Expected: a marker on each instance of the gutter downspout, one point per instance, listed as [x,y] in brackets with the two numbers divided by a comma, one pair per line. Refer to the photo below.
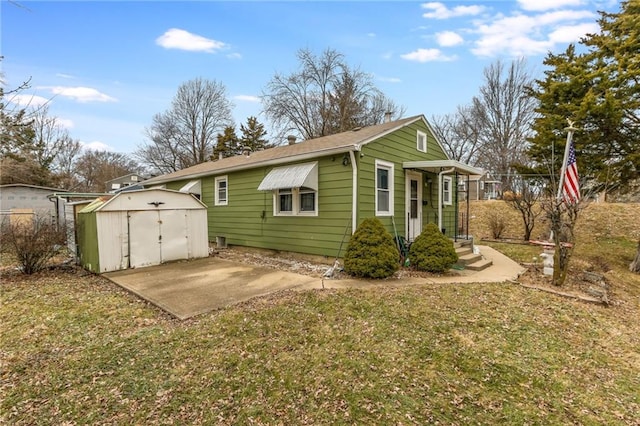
[354,198]
[453,169]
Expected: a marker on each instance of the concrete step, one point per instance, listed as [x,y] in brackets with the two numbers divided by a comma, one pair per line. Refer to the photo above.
[479,265]
[461,251]
[468,259]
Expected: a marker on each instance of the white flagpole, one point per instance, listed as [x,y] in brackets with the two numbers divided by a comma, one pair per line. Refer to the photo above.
[570,131]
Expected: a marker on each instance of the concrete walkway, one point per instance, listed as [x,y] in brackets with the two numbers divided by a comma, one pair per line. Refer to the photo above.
[189,288]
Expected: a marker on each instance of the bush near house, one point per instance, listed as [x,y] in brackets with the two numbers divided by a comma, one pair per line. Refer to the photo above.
[432,251]
[371,252]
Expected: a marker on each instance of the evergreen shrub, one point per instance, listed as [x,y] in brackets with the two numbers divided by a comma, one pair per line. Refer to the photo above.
[371,252]
[432,251]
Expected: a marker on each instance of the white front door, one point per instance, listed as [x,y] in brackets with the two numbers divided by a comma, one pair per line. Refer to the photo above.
[413,204]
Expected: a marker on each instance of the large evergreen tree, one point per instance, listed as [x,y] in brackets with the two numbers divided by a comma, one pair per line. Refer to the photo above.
[599,90]
[253,135]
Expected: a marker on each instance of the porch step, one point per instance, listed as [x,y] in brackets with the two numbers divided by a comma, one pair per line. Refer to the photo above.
[479,265]
[471,261]
[468,259]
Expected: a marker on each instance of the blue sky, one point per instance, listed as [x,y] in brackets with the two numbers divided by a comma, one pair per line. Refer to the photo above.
[105,68]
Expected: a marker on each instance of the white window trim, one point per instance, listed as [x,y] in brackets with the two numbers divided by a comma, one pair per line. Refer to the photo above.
[418,135]
[296,205]
[450,192]
[379,164]
[217,200]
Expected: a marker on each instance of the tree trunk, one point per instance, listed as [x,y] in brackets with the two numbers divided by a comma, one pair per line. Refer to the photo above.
[635,265]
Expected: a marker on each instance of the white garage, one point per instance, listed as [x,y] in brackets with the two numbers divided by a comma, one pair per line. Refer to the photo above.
[141,228]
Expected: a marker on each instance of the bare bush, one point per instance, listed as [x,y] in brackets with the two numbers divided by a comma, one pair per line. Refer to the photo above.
[497,223]
[34,242]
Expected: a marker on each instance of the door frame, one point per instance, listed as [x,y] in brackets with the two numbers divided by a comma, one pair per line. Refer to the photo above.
[413,226]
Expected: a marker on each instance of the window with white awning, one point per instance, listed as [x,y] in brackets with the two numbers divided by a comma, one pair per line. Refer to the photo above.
[295,189]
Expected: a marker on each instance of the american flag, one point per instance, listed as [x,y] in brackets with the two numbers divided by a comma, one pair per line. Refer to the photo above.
[571,186]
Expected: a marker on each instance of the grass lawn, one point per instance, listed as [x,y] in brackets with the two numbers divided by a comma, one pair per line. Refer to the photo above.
[78,350]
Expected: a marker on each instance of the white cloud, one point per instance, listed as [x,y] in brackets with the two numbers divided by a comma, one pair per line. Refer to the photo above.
[449,38]
[522,35]
[371,35]
[247,98]
[438,10]
[65,122]
[234,55]
[81,94]
[540,5]
[28,100]
[572,33]
[427,55]
[95,146]
[66,76]
[176,38]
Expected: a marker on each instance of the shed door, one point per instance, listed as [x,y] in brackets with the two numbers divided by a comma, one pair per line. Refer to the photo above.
[157,236]
[144,238]
[173,235]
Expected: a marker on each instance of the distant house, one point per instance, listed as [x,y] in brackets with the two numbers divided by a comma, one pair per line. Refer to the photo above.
[122,182]
[308,197]
[21,200]
[479,187]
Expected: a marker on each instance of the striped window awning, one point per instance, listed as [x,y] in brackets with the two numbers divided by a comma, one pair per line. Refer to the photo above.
[296,176]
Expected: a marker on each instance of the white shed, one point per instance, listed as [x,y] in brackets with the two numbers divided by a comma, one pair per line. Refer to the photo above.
[141,228]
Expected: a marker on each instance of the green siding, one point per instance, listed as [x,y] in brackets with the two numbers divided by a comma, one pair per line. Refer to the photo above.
[396,148]
[248,219]
[87,227]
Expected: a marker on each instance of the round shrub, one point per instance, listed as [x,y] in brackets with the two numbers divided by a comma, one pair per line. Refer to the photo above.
[371,252]
[432,251]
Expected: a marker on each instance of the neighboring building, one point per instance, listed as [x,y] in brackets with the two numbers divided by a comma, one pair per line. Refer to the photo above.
[123,181]
[305,197]
[479,187]
[21,200]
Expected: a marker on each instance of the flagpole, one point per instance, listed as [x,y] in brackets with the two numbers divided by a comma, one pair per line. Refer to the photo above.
[570,131]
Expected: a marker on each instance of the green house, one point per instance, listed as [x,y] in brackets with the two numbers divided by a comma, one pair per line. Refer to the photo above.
[308,197]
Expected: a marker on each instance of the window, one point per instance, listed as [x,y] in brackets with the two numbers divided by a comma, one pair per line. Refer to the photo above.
[421,144]
[295,202]
[384,188]
[307,200]
[446,190]
[285,201]
[222,191]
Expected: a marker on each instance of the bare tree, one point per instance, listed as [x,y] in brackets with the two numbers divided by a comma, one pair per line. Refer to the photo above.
[95,168]
[325,96]
[459,133]
[504,112]
[523,196]
[50,137]
[185,135]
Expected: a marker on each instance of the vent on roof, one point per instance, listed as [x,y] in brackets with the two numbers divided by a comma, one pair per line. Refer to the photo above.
[356,129]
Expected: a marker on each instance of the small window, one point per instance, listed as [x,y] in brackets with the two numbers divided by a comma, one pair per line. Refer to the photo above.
[446,190]
[285,201]
[421,144]
[307,200]
[296,201]
[222,191]
[384,188]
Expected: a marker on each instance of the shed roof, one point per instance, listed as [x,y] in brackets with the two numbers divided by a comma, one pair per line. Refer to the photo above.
[144,199]
[351,140]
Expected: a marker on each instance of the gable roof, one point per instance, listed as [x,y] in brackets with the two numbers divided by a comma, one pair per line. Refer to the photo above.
[338,143]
